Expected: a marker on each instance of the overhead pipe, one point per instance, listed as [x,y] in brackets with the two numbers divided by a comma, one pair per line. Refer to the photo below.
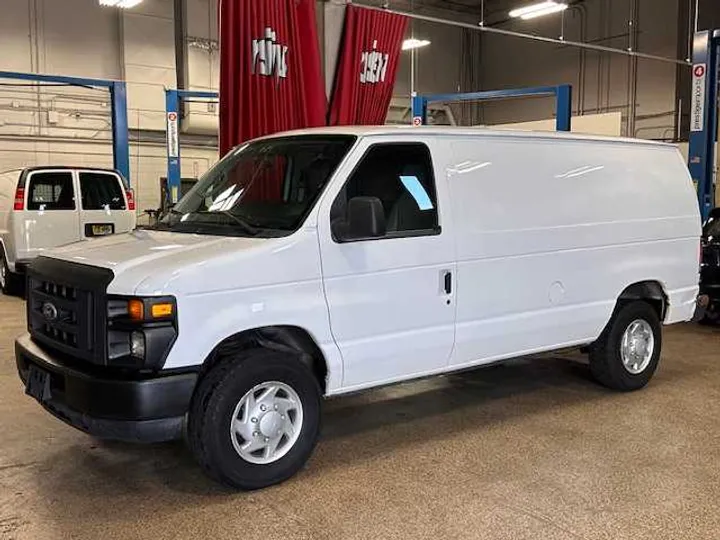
[634,24]
[583,60]
[607,30]
[602,26]
[181,61]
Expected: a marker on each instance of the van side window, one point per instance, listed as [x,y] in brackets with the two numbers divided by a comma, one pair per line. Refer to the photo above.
[100,191]
[401,177]
[51,191]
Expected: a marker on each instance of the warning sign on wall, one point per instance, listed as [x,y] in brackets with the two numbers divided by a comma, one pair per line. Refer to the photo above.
[173,143]
[697,108]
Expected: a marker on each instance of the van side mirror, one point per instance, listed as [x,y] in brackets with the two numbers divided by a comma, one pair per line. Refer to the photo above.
[365,219]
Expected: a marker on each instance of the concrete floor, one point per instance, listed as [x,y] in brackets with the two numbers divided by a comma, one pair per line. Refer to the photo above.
[531,449]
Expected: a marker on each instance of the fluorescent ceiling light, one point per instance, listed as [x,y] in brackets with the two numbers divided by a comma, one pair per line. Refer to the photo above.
[413,43]
[549,11]
[538,10]
[125,4]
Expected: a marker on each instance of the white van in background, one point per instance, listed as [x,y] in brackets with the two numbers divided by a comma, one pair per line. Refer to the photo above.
[40,209]
[322,262]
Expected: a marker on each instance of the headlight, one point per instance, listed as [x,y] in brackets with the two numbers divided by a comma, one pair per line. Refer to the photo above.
[137,344]
[141,330]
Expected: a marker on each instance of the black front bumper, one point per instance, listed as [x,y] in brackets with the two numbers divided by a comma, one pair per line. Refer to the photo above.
[150,409]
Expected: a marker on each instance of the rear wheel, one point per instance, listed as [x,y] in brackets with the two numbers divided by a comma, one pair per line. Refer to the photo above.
[627,353]
[255,419]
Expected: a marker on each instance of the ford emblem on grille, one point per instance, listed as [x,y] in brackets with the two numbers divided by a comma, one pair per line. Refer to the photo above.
[49,311]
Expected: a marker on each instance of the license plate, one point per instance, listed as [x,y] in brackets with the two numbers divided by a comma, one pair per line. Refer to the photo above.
[102,230]
[38,384]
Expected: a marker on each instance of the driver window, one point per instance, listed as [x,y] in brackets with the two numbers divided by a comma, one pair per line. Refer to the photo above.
[401,177]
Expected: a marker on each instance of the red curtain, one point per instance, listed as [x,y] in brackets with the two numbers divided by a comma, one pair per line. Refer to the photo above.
[367,65]
[270,74]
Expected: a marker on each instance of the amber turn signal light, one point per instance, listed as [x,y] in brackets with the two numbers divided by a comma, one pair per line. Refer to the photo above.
[136,310]
[158,311]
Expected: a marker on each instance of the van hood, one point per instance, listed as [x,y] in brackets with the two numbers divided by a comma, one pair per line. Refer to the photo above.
[141,254]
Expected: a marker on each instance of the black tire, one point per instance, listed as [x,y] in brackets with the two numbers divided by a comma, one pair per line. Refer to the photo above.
[9,281]
[606,362]
[710,318]
[213,405]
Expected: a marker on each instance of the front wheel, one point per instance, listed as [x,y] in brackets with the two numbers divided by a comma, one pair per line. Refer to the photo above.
[627,353]
[711,317]
[255,419]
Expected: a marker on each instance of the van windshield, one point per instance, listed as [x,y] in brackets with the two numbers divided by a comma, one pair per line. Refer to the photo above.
[263,188]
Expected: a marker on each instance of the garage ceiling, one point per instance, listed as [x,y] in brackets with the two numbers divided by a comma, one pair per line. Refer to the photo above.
[496,10]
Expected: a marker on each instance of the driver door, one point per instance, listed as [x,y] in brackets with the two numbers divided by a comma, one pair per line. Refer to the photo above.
[391,299]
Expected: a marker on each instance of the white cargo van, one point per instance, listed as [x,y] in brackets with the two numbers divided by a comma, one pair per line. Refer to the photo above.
[47,207]
[327,261]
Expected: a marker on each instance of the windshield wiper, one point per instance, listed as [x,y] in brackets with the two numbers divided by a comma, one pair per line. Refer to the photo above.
[244,225]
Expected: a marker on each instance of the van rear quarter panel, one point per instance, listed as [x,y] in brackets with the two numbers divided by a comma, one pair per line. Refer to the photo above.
[551,231]
[8,185]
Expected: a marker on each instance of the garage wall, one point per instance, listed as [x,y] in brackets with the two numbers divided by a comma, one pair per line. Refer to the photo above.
[602,81]
[51,124]
[70,125]
[463,60]
[67,125]
[437,66]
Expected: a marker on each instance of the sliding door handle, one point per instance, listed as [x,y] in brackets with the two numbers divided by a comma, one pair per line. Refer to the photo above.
[448,282]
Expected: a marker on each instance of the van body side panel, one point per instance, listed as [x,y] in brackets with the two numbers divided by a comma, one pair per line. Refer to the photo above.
[550,232]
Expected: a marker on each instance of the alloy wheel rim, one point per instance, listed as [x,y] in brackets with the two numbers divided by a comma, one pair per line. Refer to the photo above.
[266,422]
[637,346]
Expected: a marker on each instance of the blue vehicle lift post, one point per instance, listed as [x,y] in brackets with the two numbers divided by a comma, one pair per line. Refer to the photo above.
[172,110]
[562,93]
[118,106]
[704,116]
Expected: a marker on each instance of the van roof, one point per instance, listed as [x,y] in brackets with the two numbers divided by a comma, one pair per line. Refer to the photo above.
[67,168]
[479,131]
[57,168]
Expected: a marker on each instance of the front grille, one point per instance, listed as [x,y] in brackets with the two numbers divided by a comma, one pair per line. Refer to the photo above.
[61,314]
[66,308]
